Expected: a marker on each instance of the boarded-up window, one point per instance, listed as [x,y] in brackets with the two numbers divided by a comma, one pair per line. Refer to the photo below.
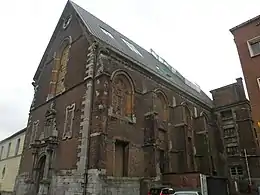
[190,153]
[161,160]
[62,70]
[57,83]
[160,106]
[121,159]
[122,96]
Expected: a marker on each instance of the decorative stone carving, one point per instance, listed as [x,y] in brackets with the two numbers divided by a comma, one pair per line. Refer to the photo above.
[66,22]
[35,88]
[119,96]
[101,62]
[69,117]
[50,128]
[90,61]
[34,131]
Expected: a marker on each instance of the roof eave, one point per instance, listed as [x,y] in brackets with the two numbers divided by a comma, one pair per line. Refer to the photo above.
[206,103]
[14,135]
[244,23]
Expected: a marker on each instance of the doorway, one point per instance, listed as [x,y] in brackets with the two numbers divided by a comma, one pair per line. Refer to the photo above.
[40,172]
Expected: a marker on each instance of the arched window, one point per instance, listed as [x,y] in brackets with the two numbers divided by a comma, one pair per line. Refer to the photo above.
[122,95]
[161,106]
[188,116]
[57,84]
[62,70]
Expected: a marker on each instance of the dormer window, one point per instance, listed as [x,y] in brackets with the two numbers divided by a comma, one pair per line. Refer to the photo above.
[132,47]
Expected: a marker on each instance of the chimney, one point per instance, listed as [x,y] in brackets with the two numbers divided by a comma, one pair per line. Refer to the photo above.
[241,89]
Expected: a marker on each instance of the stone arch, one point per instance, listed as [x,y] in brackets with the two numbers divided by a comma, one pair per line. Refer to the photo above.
[59,71]
[40,170]
[122,94]
[161,104]
[122,72]
[187,113]
[205,115]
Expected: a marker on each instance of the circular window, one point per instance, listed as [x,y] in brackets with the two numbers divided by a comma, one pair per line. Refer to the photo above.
[66,22]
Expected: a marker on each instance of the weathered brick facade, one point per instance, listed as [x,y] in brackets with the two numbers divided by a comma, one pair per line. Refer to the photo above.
[105,122]
[245,35]
[237,131]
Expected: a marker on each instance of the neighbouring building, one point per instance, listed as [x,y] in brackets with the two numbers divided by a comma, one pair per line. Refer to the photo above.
[10,156]
[247,40]
[238,133]
[109,117]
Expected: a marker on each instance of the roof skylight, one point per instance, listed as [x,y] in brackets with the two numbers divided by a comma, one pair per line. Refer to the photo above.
[132,47]
[107,33]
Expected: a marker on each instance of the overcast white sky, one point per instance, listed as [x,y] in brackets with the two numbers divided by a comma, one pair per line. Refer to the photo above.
[192,35]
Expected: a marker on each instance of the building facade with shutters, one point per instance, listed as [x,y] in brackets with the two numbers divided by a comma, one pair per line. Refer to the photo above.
[109,117]
[10,156]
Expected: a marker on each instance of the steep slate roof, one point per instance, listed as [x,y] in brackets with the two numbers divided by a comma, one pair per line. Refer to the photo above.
[145,58]
[244,23]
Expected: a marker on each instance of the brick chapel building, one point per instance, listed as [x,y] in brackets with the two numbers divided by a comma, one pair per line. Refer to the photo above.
[106,114]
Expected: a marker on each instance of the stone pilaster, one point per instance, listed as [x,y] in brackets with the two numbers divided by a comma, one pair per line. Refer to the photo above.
[86,111]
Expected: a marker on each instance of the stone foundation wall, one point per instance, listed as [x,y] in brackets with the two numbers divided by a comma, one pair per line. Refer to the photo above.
[100,184]
[69,184]
[64,182]
[23,185]
[72,183]
[124,185]
[6,193]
